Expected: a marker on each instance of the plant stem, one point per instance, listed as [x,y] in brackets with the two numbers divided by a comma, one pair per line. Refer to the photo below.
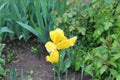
[59,70]
[59,75]
[66,75]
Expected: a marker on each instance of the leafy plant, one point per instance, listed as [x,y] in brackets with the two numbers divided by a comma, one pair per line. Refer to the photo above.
[39,15]
[104,62]
[59,41]
[97,24]
[4,30]
[14,10]
[2,62]
[43,18]
[10,56]
[91,20]
[64,62]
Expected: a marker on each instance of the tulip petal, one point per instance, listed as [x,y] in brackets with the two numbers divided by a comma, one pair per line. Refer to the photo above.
[48,59]
[63,44]
[73,40]
[50,46]
[54,57]
[57,35]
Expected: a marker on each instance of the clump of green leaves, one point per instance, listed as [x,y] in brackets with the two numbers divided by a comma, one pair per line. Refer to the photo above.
[35,16]
[2,62]
[97,24]
[10,56]
[42,18]
[10,12]
[92,21]
[104,61]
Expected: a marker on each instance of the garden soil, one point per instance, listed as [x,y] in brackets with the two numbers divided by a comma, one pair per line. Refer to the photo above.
[33,62]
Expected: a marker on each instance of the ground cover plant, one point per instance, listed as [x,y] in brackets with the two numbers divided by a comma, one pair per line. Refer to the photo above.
[96,23]
[97,26]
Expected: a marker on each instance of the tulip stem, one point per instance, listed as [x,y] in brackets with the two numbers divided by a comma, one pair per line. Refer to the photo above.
[59,75]
[59,70]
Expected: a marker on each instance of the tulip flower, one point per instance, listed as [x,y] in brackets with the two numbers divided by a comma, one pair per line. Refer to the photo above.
[59,41]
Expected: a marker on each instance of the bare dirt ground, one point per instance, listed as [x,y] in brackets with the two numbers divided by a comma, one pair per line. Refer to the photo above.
[34,64]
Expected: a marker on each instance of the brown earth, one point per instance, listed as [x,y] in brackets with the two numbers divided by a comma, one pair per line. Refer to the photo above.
[34,64]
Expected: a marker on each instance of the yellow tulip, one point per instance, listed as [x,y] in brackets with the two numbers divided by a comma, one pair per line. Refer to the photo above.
[54,57]
[66,43]
[72,40]
[50,46]
[63,44]
[59,41]
[57,35]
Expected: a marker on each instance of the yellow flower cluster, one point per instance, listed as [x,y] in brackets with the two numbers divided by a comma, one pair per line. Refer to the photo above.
[59,42]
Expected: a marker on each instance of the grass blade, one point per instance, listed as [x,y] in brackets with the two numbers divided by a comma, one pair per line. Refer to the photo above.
[29,28]
[5,29]
[1,7]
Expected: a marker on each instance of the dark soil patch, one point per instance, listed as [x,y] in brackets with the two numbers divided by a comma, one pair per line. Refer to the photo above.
[34,66]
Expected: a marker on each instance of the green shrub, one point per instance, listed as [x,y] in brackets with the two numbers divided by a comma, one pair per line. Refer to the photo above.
[97,24]
[104,61]
[92,21]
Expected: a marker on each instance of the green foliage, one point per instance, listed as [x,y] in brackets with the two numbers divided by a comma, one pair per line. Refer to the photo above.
[4,30]
[43,18]
[10,56]
[91,21]
[2,61]
[13,75]
[63,64]
[12,11]
[97,24]
[39,14]
[30,29]
[36,50]
[104,62]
